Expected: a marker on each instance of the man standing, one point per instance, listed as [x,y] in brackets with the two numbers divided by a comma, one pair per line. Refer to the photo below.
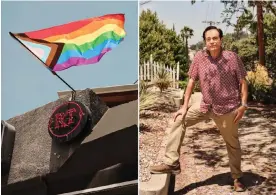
[224,99]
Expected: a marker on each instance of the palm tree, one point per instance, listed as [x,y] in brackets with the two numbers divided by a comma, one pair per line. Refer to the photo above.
[185,34]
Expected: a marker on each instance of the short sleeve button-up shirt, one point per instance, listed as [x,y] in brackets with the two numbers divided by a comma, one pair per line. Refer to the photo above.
[219,80]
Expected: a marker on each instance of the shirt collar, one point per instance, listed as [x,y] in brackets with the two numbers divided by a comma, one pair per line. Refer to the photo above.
[207,53]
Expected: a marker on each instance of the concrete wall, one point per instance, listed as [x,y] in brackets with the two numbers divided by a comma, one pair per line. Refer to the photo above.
[33,144]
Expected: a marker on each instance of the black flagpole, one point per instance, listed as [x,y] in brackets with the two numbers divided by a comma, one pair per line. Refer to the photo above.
[73,92]
[54,73]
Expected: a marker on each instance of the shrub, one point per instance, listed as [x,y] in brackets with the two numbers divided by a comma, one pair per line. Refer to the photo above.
[146,98]
[143,87]
[183,84]
[259,84]
[162,81]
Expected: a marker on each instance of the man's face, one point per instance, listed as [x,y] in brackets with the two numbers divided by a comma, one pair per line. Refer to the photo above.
[212,40]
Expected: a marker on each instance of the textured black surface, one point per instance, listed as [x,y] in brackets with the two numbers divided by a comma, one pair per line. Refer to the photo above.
[7,144]
[82,169]
[33,144]
[60,152]
[64,126]
[94,164]
[106,156]
[34,186]
[97,107]
[32,148]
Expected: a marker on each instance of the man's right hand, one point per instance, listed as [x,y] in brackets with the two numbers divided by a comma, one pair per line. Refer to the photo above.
[182,112]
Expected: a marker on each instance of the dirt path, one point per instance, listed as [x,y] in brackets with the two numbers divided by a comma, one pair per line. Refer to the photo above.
[153,124]
[204,159]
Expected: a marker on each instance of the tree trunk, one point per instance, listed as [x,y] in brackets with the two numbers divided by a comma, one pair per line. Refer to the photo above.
[260,33]
[187,49]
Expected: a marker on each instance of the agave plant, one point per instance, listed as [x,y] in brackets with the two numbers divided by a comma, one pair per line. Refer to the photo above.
[146,98]
[143,87]
[162,81]
[147,101]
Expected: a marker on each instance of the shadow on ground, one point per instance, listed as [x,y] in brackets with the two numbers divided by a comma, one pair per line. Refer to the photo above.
[144,128]
[257,136]
[267,111]
[207,145]
[167,108]
[251,180]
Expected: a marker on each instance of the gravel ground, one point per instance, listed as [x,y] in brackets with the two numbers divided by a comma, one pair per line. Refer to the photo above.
[204,160]
[153,124]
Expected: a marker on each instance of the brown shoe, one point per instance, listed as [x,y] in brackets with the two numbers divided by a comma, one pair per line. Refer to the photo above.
[163,168]
[238,185]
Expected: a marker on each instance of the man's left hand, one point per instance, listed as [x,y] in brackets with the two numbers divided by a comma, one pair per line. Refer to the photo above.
[240,112]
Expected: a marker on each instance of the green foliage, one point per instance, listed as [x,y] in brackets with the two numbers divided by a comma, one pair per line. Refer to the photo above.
[157,40]
[247,50]
[164,44]
[246,20]
[183,84]
[143,87]
[162,81]
[228,40]
[198,46]
[146,99]
[270,43]
[243,7]
[185,34]
[260,86]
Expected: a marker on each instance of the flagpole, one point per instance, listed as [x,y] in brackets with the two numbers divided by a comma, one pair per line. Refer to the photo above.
[54,73]
[73,92]
[63,81]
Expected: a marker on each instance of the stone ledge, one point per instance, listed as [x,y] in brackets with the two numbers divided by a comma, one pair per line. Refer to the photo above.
[157,185]
[178,98]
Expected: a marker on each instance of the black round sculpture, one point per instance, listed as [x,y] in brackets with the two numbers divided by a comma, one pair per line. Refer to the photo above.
[67,121]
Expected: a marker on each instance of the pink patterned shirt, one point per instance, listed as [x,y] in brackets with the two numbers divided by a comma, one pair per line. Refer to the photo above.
[219,80]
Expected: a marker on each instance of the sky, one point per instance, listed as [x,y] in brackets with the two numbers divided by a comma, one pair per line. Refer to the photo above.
[26,84]
[183,13]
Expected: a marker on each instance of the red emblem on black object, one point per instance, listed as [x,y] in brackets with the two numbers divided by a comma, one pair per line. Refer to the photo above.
[67,121]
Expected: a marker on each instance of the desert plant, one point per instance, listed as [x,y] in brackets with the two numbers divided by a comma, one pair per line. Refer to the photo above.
[147,100]
[162,81]
[143,87]
[259,83]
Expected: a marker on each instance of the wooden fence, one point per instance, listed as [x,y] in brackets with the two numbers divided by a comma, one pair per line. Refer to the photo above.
[148,72]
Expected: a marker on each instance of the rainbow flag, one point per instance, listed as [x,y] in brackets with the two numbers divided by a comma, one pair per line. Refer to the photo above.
[77,43]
